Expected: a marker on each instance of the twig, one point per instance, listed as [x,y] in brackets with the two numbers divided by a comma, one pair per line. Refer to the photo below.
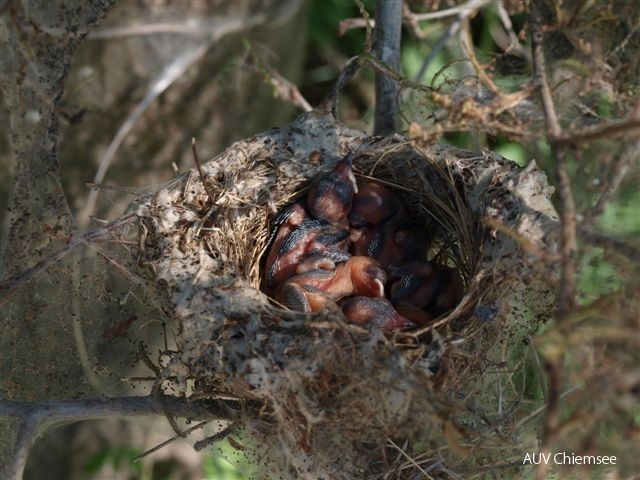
[553,369]
[330,103]
[435,50]
[191,27]
[170,440]
[541,409]
[282,87]
[449,12]
[387,48]
[467,46]
[523,241]
[413,18]
[632,252]
[566,295]
[203,177]
[617,173]
[115,188]
[463,12]
[411,460]
[409,21]
[514,44]
[8,287]
[609,131]
[218,437]
[367,23]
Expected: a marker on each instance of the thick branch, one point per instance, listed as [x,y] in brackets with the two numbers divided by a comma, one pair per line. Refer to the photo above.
[387,47]
[38,416]
[57,411]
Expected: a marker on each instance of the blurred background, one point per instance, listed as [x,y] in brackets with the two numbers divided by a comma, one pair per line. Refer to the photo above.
[153,75]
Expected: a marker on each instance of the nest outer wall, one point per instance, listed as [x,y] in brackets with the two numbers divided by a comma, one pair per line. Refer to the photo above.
[327,386]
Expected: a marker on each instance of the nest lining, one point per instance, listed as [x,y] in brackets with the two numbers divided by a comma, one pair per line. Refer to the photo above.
[331,387]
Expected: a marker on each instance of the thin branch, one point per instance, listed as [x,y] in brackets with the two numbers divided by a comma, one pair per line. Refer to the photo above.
[566,296]
[608,131]
[282,87]
[551,420]
[524,242]
[630,251]
[367,23]
[218,437]
[191,27]
[115,188]
[387,48]
[617,173]
[463,12]
[170,440]
[514,46]
[203,177]
[467,46]
[554,361]
[471,5]
[411,460]
[453,28]
[9,286]
[413,18]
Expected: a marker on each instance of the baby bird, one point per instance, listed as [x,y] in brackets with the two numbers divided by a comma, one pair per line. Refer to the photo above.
[375,311]
[302,298]
[393,241]
[285,223]
[372,204]
[310,290]
[309,237]
[321,259]
[331,194]
[422,290]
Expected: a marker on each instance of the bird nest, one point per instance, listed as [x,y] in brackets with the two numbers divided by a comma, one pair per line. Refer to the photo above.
[325,398]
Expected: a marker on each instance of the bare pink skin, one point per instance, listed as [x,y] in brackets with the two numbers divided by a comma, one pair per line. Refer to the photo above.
[391,242]
[373,204]
[423,290]
[310,237]
[374,311]
[357,276]
[290,219]
[331,194]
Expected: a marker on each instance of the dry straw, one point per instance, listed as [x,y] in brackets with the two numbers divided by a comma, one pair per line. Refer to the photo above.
[319,398]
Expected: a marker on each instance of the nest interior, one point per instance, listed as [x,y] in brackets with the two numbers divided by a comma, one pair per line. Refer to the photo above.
[332,395]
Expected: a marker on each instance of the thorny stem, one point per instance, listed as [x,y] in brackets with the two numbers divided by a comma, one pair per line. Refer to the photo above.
[38,416]
[387,47]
